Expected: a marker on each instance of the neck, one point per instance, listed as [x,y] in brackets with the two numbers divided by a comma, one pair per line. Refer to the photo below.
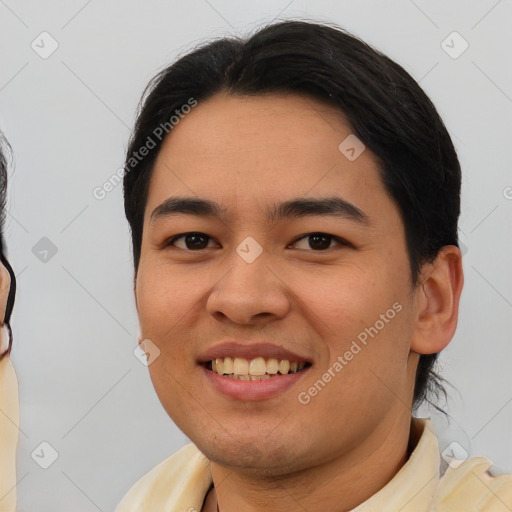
[339,484]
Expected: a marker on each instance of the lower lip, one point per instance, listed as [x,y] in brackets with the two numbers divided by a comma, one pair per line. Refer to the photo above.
[252,390]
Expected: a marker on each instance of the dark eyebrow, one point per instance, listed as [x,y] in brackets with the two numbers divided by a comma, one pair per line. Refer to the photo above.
[304,207]
[187,205]
[294,208]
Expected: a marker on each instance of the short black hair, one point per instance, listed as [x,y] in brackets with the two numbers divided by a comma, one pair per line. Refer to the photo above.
[385,107]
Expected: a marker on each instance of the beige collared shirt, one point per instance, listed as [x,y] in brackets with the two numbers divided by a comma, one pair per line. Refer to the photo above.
[180,483]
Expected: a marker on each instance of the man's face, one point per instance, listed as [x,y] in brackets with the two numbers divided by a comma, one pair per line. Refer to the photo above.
[316,297]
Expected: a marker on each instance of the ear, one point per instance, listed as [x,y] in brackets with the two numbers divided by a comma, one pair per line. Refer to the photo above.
[437,298]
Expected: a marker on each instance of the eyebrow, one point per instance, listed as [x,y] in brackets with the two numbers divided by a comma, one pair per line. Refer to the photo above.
[294,208]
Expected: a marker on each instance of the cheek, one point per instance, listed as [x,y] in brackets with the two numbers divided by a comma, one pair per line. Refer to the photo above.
[362,316]
[346,298]
[163,296]
[168,307]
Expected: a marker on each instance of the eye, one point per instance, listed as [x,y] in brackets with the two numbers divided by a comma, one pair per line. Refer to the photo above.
[196,241]
[320,241]
[193,241]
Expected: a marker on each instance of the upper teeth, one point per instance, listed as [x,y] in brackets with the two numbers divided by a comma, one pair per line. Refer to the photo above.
[257,366]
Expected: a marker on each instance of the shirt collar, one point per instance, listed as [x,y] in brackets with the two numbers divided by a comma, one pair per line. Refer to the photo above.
[414,486]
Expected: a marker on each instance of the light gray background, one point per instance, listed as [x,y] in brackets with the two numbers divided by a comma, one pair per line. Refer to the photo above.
[68,118]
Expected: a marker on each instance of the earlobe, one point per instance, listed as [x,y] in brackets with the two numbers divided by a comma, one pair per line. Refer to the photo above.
[437,305]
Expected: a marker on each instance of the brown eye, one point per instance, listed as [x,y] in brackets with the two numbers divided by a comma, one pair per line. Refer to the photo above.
[193,241]
[319,241]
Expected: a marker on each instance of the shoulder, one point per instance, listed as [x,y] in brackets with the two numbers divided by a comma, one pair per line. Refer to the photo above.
[182,477]
[474,484]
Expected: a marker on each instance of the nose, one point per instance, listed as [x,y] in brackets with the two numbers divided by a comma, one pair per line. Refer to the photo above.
[249,292]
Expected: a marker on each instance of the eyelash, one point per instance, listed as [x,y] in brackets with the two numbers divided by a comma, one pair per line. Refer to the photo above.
[341,241]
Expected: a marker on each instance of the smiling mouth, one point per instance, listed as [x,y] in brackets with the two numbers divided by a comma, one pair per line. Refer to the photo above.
[259,368]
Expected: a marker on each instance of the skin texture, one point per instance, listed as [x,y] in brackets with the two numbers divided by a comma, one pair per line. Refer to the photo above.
[351,438]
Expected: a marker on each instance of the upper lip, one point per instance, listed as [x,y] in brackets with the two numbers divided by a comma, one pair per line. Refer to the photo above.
[250,351]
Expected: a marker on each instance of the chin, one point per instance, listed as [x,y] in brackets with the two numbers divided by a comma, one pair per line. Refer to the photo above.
[253,454]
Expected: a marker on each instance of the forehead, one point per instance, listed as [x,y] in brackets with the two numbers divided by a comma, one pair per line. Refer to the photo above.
[254,151]
[256,125]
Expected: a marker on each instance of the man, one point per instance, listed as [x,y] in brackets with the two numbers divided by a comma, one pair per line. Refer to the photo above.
[293,200]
